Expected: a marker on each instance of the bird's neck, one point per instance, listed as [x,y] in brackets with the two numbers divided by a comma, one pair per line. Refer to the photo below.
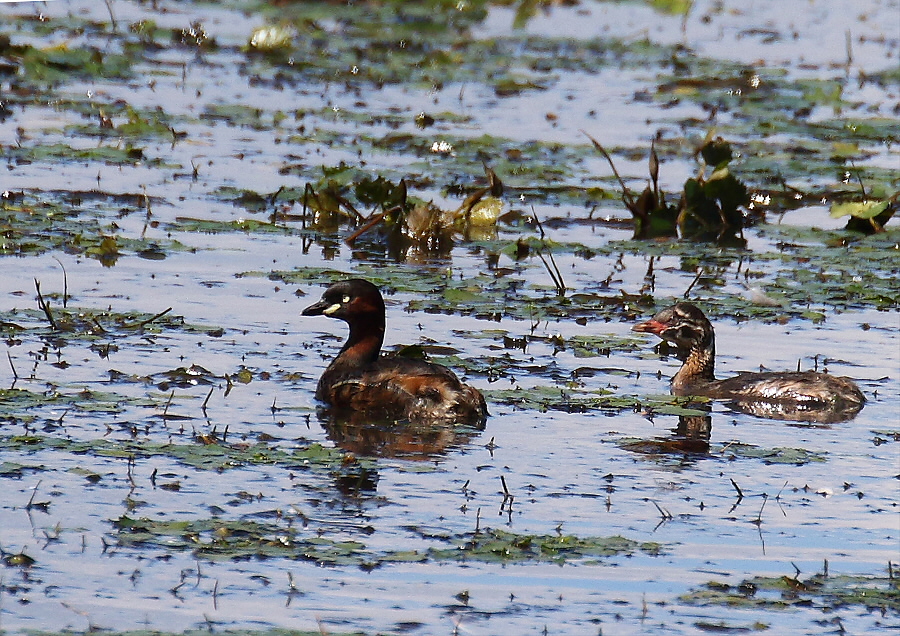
[698,368]
[364,343]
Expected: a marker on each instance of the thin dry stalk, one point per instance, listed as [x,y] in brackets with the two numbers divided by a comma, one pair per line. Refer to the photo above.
[44,306]
[143,323]
[375,220]
[626,193]
[65,283]
[206,401]
[28,506]
[665,514]
[693,282]
[552,267]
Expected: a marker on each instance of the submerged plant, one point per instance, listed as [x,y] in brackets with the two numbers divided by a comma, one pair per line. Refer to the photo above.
[421,224]
[328,204]
[710,207]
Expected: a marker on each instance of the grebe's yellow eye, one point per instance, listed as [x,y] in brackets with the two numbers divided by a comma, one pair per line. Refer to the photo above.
[346,299]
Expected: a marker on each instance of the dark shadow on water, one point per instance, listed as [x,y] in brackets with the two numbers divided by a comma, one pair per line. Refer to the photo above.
[367,437]
[689,439]
[356,483]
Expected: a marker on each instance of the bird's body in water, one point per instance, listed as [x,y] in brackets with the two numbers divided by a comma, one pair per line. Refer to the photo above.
[685,325]
[362,380]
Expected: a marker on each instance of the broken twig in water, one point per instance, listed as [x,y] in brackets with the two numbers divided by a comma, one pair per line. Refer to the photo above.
[506,494]
[206,401]
[168,402]
[506,504]
[43,305]
[375,220]
[738,489]
[9,357]
[142,323]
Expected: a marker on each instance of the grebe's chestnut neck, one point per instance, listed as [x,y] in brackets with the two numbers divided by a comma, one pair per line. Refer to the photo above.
[361,380]
[358,303]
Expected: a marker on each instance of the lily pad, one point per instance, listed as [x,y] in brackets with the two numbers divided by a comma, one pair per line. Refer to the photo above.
[861,210]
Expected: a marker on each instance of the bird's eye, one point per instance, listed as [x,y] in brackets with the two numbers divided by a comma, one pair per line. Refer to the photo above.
[345,299]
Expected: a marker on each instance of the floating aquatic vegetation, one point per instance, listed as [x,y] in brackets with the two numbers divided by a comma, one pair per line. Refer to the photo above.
[824,591]
[555,398]
[214,226]
[407,224]
[256,202]
[425,44]
[482,295]
[778,142]
[60,63]
[222,539]
[499,546]
[239,115]
[206,454]
[16,560]
[61,152]
[711,206]
[18,404]
[122,121]
[194,36]
[77,222]
[242,539]
[422,224]
[76,323]
[843,271]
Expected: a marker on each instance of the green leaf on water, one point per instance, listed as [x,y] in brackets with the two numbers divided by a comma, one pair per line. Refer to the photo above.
[859,210]
[13,469]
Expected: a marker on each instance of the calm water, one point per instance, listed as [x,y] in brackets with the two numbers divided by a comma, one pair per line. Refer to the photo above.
[567,472]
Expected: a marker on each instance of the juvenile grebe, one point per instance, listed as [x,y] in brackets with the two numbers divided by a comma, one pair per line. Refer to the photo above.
[359,379]
[684,325]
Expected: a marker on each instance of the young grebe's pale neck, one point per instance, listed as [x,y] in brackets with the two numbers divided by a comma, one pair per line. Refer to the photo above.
[697,369]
